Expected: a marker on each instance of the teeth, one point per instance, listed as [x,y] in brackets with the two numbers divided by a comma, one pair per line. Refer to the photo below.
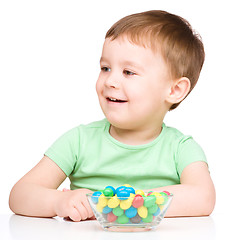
[113,99]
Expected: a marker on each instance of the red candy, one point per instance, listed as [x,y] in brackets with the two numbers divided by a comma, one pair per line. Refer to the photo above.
[138,201]
[111,217]
[168,193]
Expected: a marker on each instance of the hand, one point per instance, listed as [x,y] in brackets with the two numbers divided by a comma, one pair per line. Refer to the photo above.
[74,204]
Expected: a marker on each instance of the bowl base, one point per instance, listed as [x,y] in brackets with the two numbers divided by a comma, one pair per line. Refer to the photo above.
[128,228]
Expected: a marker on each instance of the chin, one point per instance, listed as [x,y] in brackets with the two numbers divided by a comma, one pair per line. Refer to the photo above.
[119,122]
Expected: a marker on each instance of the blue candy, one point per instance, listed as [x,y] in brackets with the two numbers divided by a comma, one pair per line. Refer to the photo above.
[106,210]
[120,188]
[95,197]
[131,212]
[123,194]
[130,189]
[157,212]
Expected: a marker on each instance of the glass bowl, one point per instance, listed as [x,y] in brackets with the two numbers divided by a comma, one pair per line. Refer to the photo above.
[130,214]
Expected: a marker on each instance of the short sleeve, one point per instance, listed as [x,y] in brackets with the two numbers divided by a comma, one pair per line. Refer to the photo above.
[188,151]
[64,151]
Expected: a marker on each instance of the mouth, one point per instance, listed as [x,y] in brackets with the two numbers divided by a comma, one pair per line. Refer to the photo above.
[115,100]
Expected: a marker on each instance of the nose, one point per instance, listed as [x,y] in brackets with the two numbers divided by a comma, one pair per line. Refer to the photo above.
[112,80]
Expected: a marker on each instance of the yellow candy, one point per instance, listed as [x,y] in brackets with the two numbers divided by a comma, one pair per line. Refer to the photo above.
[99,207]
[102,201]
[142,211]
[159,199]
[156,194]
[132,195]
[125,204]
[161,207]
[127,185]
[113,202]
[141,192]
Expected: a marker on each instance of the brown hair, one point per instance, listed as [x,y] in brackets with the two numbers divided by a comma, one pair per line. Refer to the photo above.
[173,36]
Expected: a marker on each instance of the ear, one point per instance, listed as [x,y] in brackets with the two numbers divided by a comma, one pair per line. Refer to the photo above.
[179,90]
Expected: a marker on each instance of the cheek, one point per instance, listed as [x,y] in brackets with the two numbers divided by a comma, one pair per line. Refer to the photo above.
[138,91]
[98,86]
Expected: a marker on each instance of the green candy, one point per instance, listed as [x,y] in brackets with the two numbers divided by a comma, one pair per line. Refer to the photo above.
[148,219]
[153,209]
[149,200]
[108,192]
[165,196]
[118,211]
[123,219]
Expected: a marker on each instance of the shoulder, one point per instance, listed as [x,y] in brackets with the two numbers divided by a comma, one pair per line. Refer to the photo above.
[185,149]
[76,133]
[86,131]
[174,135]
[182,144]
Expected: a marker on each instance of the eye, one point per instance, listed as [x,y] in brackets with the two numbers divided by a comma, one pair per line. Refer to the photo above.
[105,69]
[129,73]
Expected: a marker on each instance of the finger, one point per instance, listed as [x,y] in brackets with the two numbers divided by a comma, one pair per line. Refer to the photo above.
[65,190]
[88,208]
[82,211]
[74,214]
[92,218]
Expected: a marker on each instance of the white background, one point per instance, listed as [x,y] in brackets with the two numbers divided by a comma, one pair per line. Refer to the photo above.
[49,63]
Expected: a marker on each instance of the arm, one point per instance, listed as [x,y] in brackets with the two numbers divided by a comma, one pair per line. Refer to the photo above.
[36,194]
[195,196]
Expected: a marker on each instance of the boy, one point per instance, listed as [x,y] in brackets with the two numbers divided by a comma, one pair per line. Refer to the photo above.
[150,62]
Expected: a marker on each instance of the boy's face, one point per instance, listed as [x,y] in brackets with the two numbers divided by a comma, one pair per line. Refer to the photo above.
[132,85]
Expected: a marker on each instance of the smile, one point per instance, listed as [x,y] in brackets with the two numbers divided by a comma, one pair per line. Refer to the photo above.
[115,100]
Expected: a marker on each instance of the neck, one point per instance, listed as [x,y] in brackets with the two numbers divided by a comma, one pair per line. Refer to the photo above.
[135,136]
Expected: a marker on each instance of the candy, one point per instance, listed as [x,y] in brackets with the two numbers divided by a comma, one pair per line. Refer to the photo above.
[111,217]
[120,189]
[106,210]
[138,201]
[95,197]
[130,189]
[113,189]
[135,219]
[168,193]
[108,192]
[102,200]
[123,194]
[113,202]
[142,211]
[157,212]
[131,212]
[165,196]
[123,219]
[99,208]
[127,205]
[118,211]
[127,185]
[148,218]
[149,200]
[140,192]
[153,209]
[155,194]
[159,199]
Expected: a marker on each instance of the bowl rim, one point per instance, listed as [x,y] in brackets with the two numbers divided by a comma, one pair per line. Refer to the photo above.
[90,194]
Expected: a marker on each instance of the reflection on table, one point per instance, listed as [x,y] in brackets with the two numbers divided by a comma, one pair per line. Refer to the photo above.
[56,228]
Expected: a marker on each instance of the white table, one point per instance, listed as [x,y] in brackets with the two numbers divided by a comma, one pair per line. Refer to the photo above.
[202,228]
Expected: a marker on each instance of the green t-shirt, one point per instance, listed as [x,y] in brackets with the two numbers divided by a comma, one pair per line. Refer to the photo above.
[93,159]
